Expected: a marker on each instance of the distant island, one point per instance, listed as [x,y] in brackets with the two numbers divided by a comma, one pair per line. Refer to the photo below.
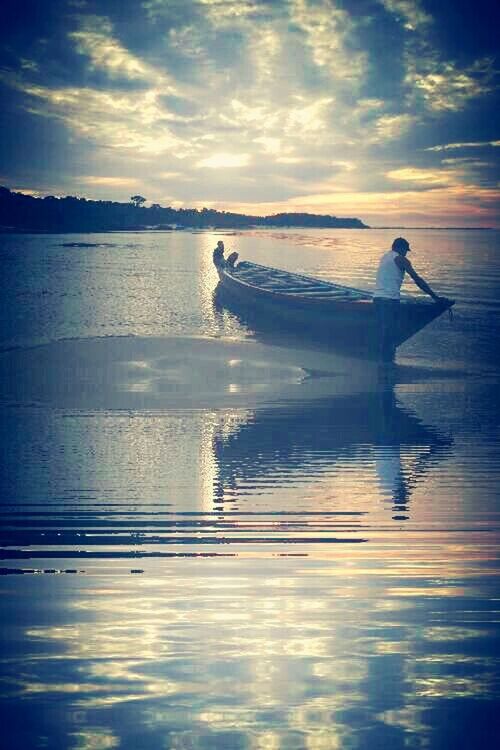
[24,213]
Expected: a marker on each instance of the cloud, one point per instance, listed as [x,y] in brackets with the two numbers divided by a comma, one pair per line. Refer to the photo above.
[224,161]
[410,12]
[29,65]
[465,144]
[450,205]
[274,146]
[291,102]
[218,108]
[95,40]
[329,33]
[221,11]
[143,121]
[433,79]
[467,161]
[103,181]
[389,127]
[422,176]
[105,53]
[29,191]
[180,105]
[126,122]
[445,87]
[307,117]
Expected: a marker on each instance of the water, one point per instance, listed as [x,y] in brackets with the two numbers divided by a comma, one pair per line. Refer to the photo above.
[211,539]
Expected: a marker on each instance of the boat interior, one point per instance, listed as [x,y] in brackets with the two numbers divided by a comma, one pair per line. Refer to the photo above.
[285,282]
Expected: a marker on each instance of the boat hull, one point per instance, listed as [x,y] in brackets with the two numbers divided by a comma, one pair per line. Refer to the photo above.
[347,324]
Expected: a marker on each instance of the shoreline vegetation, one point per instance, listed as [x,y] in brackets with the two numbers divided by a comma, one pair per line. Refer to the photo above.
[20,213]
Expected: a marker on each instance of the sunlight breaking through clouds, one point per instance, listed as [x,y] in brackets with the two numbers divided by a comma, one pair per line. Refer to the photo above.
[287,92]
[124,121]
[109,181]
[429,176]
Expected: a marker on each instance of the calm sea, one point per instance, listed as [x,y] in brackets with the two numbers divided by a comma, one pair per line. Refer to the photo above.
[213,538]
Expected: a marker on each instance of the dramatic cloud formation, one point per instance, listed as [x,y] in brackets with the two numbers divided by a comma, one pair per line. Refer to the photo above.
[348,107]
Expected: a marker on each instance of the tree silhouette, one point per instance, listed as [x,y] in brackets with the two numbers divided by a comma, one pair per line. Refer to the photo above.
[137,200]
[24,213]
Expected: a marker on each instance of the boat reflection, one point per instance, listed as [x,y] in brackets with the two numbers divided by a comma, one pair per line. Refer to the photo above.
[334,438]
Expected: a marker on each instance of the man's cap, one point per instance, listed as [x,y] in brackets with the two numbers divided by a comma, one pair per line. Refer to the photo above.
[400,245]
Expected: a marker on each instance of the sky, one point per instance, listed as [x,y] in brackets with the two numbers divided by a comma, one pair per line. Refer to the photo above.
[384,110]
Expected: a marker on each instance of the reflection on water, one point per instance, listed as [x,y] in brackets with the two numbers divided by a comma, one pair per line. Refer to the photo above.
[347,652]
[238,570]
[311,440]
[233,481]
[279,636]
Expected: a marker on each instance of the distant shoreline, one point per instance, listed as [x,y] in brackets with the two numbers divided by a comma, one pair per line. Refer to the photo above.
[159,230]
[6,230]
[25,213]
[445,229]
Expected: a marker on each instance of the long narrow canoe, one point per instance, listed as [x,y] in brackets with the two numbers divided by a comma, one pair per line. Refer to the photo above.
[343,315]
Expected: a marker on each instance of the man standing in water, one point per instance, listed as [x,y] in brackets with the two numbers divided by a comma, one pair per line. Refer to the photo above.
[390,274]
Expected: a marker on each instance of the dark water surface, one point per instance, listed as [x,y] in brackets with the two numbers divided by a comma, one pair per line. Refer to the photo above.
[216,539]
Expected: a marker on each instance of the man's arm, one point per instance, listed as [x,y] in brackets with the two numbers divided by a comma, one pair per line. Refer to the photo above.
[405,265]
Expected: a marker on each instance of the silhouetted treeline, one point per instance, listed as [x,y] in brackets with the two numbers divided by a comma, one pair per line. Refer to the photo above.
[24,213]
[311,220]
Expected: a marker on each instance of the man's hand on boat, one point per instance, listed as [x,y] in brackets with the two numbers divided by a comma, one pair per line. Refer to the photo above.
[402,247]
[444,301]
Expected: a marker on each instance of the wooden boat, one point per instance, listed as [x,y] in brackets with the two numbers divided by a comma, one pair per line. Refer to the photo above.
[342,315]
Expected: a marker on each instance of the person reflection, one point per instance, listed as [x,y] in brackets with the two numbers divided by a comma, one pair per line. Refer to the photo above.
[275,448]
[388,464]
[399,466]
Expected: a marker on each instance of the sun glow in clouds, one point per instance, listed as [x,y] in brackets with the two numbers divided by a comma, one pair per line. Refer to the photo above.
[223,161]
[243,102]
[411,174]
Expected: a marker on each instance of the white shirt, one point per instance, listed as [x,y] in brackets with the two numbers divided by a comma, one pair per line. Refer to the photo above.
[389,277]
